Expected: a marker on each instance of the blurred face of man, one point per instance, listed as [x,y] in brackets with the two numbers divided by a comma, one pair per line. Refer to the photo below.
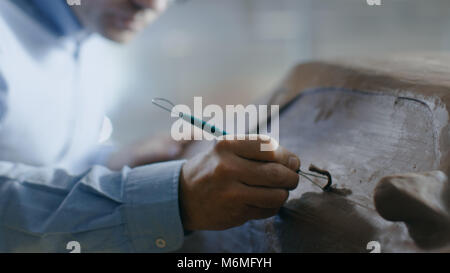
[118,20]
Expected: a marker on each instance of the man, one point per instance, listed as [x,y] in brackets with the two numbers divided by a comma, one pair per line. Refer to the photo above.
[53,189]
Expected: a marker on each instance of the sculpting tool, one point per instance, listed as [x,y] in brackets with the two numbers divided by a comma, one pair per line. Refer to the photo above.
[168,106]
[323,175]
[205,126]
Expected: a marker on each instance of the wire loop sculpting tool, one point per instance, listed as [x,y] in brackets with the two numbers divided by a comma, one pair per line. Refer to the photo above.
[323,175]
[170,107]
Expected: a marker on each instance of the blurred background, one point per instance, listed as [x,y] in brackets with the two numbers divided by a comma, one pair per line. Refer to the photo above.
[237,51]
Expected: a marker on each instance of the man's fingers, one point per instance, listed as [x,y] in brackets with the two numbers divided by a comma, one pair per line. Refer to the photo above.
[157,5]
[287,158]
[259,213]
[266,174]
[260,197]
[252,148]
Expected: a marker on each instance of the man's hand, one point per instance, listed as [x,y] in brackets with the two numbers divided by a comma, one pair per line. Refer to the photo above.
[235,182]
[155,149]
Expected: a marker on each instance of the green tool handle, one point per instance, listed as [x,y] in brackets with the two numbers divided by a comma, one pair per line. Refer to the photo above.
[203,125]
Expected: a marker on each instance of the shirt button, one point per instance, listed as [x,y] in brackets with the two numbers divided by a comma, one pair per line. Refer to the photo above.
[160,243]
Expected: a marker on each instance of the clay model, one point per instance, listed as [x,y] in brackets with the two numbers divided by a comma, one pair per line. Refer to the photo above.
[381,128]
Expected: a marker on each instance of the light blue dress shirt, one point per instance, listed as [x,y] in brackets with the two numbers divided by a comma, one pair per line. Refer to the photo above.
[56,15]
[43,209]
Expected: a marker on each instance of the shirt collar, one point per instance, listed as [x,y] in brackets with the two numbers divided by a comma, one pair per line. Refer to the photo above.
[59,16]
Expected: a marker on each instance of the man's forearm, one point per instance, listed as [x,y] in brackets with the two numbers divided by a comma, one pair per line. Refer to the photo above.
[135,210]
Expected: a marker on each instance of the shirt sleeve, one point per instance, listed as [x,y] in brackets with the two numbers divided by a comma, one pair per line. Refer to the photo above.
[3,93]
[135,210]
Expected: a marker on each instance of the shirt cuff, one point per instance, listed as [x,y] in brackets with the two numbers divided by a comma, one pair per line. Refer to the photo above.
[151,207]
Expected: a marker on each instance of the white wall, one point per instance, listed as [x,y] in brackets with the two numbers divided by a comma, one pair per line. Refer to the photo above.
[235,51]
